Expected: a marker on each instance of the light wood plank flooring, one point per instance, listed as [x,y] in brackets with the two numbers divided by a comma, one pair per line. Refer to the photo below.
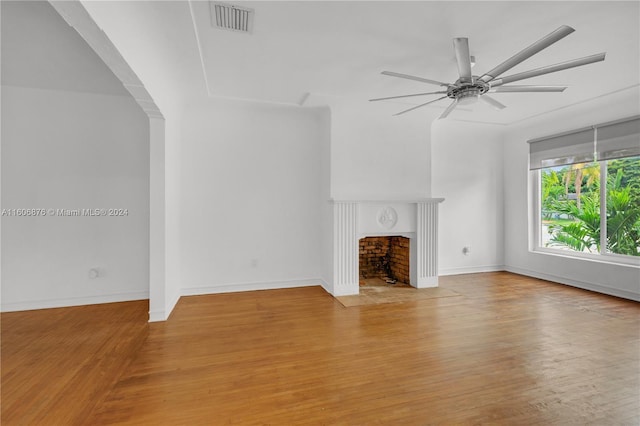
[509,350]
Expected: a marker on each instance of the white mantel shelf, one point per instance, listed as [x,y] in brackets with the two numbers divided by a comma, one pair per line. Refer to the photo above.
[414,218]
[390,201]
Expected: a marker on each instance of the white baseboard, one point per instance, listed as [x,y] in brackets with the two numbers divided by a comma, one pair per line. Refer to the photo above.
[172,304]
[156,316]
[73,301]
[426,282]
[342,291]
[598,288]
[265,285]
[325,285]
[470,270]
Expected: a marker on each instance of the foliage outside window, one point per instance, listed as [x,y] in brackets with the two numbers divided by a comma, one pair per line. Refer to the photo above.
[570,199]
[589,189]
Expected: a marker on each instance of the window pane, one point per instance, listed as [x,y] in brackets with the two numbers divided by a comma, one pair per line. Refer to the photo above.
[623,206]
[570,207]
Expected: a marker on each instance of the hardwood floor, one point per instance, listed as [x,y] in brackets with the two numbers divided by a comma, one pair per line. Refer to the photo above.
[57,364]
[508,350]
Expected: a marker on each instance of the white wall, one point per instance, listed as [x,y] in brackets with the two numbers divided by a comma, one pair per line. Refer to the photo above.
[467,172]
[71,150]
[604,277]
[377,156]
[251,184]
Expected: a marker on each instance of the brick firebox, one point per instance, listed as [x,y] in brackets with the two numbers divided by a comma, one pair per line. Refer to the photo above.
[385,257]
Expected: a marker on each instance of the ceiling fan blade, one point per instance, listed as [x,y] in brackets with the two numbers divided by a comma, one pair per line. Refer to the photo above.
[461,46]
[522,89]
[412,77]
[448,110]
[528,52]
[492,102]
[420,106]
[549,69]
[407,96]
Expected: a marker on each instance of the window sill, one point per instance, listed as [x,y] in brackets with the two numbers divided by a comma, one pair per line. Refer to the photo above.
[609,259]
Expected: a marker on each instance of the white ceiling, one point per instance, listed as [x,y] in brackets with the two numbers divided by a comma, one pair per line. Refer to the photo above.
[339,48]
[40,50]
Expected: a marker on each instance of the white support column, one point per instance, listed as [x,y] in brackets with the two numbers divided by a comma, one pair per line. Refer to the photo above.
[157,221]
[345,249]
[427,244]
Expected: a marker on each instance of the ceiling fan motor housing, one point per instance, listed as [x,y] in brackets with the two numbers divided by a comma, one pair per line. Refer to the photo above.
[465,92]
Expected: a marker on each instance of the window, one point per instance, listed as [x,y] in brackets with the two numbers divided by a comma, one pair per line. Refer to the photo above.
[623,206]
[588,191]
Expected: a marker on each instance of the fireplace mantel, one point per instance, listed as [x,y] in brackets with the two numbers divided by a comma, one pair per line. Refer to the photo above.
[415,218]
[388,200]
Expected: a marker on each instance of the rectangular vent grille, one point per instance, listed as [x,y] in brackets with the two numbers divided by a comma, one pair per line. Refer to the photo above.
[231,17]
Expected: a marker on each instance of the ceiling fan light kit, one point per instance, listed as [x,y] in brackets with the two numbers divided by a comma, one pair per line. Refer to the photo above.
[469,88]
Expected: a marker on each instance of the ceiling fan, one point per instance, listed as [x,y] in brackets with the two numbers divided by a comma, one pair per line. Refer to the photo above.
[469,88]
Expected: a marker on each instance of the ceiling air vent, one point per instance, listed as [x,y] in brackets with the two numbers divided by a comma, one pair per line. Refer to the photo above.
[230,17]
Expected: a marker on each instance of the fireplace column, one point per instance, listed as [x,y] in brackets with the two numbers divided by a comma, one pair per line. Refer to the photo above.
[427,244]
[345,249]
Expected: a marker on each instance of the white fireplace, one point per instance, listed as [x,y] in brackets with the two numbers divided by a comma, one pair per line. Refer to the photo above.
[415,219]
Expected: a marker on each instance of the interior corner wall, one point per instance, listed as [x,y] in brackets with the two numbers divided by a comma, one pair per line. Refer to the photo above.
[173,140]
[614,279]
[467,172]
[157,219]
[71,150]
[326,206]
[251,196]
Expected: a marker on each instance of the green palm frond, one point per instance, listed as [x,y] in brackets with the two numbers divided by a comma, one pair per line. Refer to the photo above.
[623,223]
[577,237]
